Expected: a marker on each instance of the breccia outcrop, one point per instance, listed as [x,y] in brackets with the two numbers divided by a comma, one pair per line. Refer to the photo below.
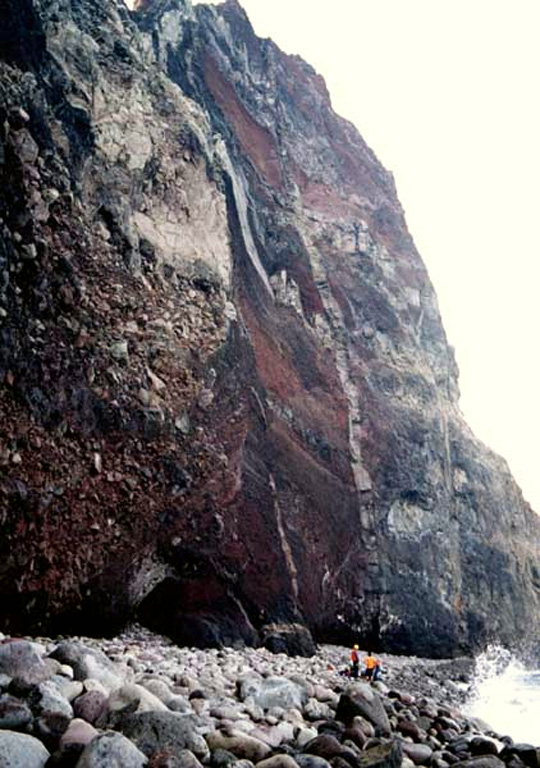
[228,407]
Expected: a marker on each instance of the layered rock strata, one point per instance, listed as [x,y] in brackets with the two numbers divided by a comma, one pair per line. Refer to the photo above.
[227,401]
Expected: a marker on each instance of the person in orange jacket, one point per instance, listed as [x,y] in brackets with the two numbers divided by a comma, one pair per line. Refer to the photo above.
[372,667]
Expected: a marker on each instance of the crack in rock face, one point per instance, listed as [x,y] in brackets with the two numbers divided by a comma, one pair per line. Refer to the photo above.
[227,402]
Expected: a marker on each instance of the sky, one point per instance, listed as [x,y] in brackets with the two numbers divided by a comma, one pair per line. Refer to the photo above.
[446,94]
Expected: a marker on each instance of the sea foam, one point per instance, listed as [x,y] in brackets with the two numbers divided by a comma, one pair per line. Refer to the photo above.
[506,695]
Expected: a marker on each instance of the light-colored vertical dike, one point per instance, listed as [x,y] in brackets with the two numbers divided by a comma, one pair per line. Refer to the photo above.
[227,402]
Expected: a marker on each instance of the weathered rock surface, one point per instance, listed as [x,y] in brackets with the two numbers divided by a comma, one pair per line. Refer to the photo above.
[20,749]
[227,402]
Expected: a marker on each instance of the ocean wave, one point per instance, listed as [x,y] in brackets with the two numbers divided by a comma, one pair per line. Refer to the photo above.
[506,694]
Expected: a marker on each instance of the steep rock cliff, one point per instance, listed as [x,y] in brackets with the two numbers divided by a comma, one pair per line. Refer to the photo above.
[227,398]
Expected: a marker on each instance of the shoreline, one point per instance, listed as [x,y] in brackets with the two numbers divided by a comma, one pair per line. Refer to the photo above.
[141,699]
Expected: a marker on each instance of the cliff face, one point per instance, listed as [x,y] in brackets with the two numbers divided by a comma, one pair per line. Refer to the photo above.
[227,399]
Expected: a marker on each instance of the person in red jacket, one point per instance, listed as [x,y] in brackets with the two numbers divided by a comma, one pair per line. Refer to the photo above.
[355,662]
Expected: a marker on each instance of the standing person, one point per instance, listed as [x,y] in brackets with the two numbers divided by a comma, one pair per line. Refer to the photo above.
[371,667]
[355,662]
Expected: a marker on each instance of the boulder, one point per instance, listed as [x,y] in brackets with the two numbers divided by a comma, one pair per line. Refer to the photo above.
[484,761]
[90,706]
[326,695]
[385,755]
[49,728]
[182,759]
[271,735]
[153,731]
[226,711]
[272,692]
[278,761]
[158,688]
[14,713]
[364,725]
[292,639]
[182,705]
[361,699]
[528,754]
[317,710]
[131,698]
[325,745]
[111,749]
[222,758]
[355,734]
[69,689]
[47,699]
[481,745]
[94,685]
[304,736]
[21,659]
[311,761]
[420,754]
[412,729]
[90,663]
[240,744]
[78,732]
[18,750]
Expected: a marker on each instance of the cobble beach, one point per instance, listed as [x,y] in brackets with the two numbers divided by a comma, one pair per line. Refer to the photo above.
[139,700]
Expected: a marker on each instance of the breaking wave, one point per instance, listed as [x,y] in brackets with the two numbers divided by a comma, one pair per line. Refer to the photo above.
[506,695]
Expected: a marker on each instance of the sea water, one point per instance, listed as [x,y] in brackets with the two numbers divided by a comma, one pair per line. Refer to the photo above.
[506,695]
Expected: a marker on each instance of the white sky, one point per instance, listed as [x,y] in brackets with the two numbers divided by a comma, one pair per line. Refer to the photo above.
[446,94]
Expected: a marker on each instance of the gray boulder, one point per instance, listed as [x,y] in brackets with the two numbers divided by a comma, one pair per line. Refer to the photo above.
[67,687]
[318,710]
[20,659]
[133,698]
[90,663]
[18,750]
[292,639]
[158,688]
[420,754]
[14,714]
[361,699]
[186,759]
[272,692]
[111,750]
[47,699]
[311,761]
[154,731]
